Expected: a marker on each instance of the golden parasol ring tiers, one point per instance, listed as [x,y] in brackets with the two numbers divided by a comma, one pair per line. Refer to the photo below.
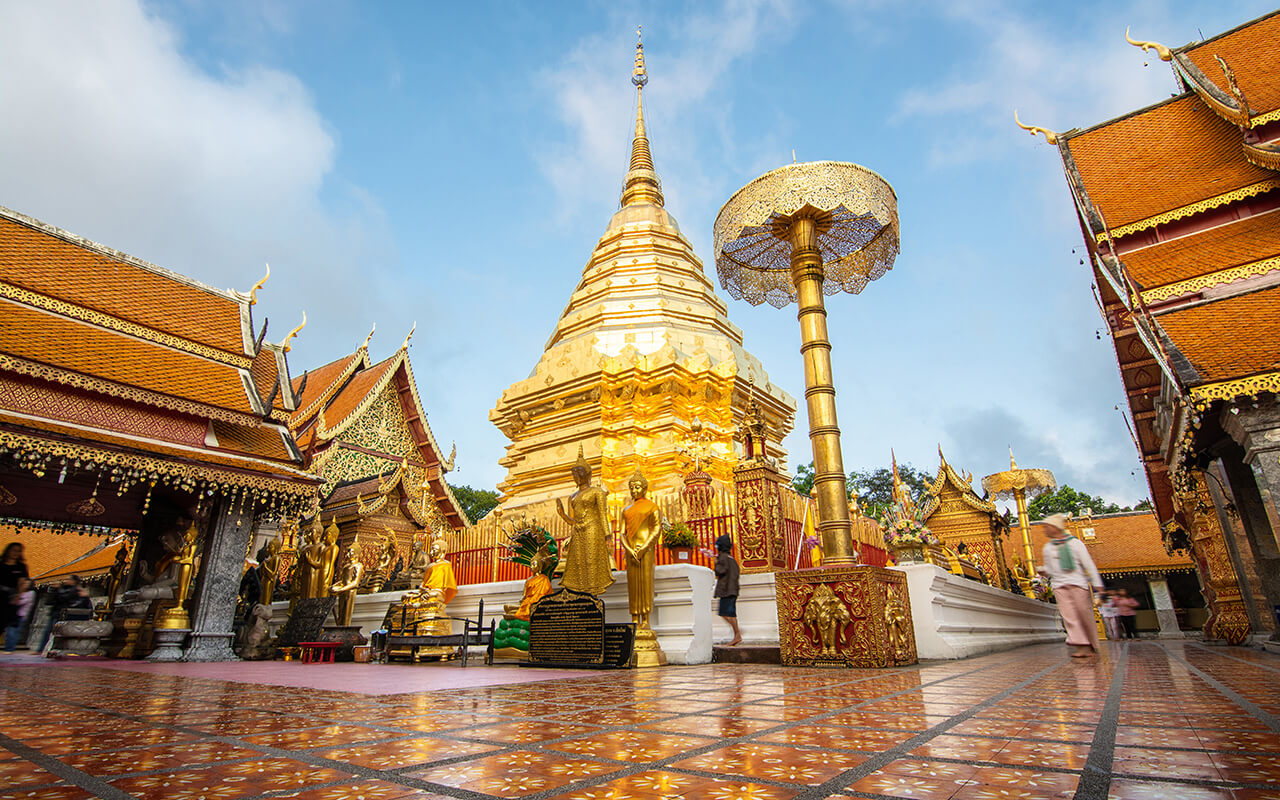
[856,212]
[1006,485]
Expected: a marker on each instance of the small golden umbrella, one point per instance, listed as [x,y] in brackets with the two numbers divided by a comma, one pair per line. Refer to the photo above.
[1019,484]
[795,234]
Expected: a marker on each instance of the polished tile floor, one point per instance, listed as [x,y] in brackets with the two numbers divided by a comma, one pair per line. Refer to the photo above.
[1171,719]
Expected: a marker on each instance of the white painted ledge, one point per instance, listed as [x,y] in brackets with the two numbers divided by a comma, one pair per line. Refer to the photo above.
[956,618]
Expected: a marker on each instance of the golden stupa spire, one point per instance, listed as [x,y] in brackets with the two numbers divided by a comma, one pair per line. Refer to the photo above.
[642,184]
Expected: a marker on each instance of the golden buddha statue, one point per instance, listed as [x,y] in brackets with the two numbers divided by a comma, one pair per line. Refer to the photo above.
[322,558]
[350,572]
[301,580]
[642,522]
[588,564]
[423,611]
[268,570]
[183,562]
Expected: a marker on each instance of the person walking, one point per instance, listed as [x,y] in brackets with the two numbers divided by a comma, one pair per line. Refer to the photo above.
[1126,612]
[1110,620]
[22,601]
[1065,561]
[727,585]
[13,569]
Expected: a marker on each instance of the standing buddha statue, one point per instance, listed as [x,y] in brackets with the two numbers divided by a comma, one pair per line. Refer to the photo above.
[268,569]
[588,565]
[642,522]
[349,574]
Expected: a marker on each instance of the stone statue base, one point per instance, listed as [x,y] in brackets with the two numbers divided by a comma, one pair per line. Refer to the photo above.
[168,644]
[79,637]
[648,653]
[845,616]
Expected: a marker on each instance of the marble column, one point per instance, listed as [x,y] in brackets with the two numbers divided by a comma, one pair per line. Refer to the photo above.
[220,571]
[1167,617]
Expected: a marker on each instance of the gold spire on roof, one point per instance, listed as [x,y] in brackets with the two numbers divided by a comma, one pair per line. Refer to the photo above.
[253,293]
[285,344]
[1165,53]
[642,184]
[370,336]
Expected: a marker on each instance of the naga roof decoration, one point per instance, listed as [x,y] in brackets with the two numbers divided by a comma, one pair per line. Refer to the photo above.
[120,366]
[948,474]
[362,424]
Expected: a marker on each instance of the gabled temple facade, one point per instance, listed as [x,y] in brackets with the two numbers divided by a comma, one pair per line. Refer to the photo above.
[643,348]
[138,402]
[360,426]
[957,515]
[1179,203]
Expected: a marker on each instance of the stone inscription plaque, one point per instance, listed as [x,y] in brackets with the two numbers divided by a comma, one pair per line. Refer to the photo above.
[567,628]
[306,621]
[619,644]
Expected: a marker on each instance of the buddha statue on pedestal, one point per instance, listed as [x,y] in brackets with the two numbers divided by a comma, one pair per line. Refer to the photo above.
[642,522]
[588,564]
[321,558]
[350,571]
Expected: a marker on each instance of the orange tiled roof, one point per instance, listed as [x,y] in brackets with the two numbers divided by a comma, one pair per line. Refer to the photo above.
[263,442]
[356,390]
[1229,338]
[1160,158]
[1241,242]
[87,349]
[1125,542]
[85,565]
[48,264]
[45,550]
[321,385]
[1253,53]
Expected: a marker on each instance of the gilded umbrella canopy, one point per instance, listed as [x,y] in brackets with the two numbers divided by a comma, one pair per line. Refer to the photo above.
[856,215]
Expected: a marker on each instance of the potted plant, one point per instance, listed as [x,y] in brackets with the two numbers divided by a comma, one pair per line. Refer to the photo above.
[680,540]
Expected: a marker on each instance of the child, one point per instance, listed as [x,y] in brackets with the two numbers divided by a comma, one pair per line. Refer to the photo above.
[727,585]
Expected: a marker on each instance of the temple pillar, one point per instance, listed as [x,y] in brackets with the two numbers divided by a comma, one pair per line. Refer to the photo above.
[1251,505]
[1221,588]
[1257,430]
[221,567]
[1163,601]
[762,540]
[1261,618]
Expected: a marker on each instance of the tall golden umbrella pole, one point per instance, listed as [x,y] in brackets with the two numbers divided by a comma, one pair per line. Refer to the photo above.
[795,234]
[1020,484]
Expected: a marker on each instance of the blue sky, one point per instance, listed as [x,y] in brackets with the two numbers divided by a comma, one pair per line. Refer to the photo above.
[454,164]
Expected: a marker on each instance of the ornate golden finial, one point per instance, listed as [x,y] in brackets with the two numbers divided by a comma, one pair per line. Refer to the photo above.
[1165,53]
[641,184]
[285,344]
[1049,136]
[638,75]
[253,293]
[941,457]
[1012,464]
[369,338]
[1236,92]
[405,344]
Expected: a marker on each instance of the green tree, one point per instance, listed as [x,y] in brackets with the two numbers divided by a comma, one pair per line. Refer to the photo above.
[1067,500]
[873,486]
[803,481]
[477,503]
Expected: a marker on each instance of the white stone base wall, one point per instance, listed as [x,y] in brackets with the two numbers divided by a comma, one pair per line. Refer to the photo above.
[682,608]
[956,618]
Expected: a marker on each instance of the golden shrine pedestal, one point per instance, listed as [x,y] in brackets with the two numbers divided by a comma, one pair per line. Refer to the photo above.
[845,616]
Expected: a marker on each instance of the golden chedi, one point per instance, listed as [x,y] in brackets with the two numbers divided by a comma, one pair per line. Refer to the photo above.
[642,523]
[643,347]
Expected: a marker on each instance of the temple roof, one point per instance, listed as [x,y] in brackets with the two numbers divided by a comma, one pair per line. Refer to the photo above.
[97,561]
[1204,252]
[1252,52]
[1125,542]
[963,484]
[1229,338]
[1159,159]
[111,361]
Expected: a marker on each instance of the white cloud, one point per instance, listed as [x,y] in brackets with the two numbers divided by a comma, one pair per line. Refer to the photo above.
[111,132]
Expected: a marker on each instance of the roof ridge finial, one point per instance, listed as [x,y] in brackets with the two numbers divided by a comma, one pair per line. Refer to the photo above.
[369,338]
[1163,52]
[641,184]
[1012,464]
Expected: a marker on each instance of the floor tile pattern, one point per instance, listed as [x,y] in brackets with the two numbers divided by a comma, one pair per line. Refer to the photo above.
[1170,719]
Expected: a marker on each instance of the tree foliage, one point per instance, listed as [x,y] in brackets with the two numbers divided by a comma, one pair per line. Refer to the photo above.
[874,487]
[1067,500]
[477,503]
